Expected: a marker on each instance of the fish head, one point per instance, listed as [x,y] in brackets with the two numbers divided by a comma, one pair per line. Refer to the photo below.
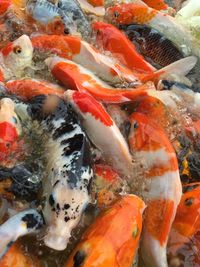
[143,133]
[18,54]
[187,220]
[10,127]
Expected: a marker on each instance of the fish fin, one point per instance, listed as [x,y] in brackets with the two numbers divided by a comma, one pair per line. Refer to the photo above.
[179,68]
[19,7]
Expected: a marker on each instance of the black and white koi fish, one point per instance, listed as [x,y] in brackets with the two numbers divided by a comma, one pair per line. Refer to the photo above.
[68,168]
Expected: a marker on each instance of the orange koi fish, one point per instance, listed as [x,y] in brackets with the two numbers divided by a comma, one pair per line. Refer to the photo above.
[112,40]
[78,78]
[28,88]
[106,242]
[157,4]
[185,228]
[10,130]
[98,123]
[167,25]
[83,53]
[187,220]
[149,143]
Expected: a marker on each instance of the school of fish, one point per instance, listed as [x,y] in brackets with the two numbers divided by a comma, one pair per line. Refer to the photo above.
[99,133]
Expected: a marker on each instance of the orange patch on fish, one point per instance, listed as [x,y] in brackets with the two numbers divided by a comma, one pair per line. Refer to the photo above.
[88,104]
[96,3]
[4,5]
[26,89]
[131,13]
[158,216]
[157,4]
[7,49]
[64,46]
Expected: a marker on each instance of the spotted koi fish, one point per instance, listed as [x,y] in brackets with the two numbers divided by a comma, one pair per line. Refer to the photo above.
[149,143]
[106,242]
[97,124]
[21,224]
[167,25]
[68,169]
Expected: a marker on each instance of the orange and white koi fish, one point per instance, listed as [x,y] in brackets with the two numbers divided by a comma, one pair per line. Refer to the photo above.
[106,242]
[150,145]
[10,130]
[98,124]
[83,53]
[78,78]
[15,57]
[111,39]
[28,88]
[115,42]
[167,25]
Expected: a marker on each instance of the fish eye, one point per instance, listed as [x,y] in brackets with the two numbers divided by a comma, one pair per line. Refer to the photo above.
[14,119]
[135,125]
[17,49]
[116,14]
[189,201]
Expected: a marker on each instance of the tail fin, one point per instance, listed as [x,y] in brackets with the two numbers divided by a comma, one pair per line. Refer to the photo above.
[179,68]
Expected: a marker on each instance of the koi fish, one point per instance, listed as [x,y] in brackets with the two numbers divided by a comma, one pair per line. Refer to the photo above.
[10,130]
[83,53]
[187,220]
[97,123]
[21,224]
[16,56]
[111,39]
[127,54]
[153,45]
[78,78]
[15,257]
[106,242]
[69,171]
[149,143]
[167,25]
[28,88]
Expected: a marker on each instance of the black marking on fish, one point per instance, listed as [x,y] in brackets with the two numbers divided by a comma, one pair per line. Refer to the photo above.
[73,144]
[51,200]
[158,50]
[33,221]
[79,258]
